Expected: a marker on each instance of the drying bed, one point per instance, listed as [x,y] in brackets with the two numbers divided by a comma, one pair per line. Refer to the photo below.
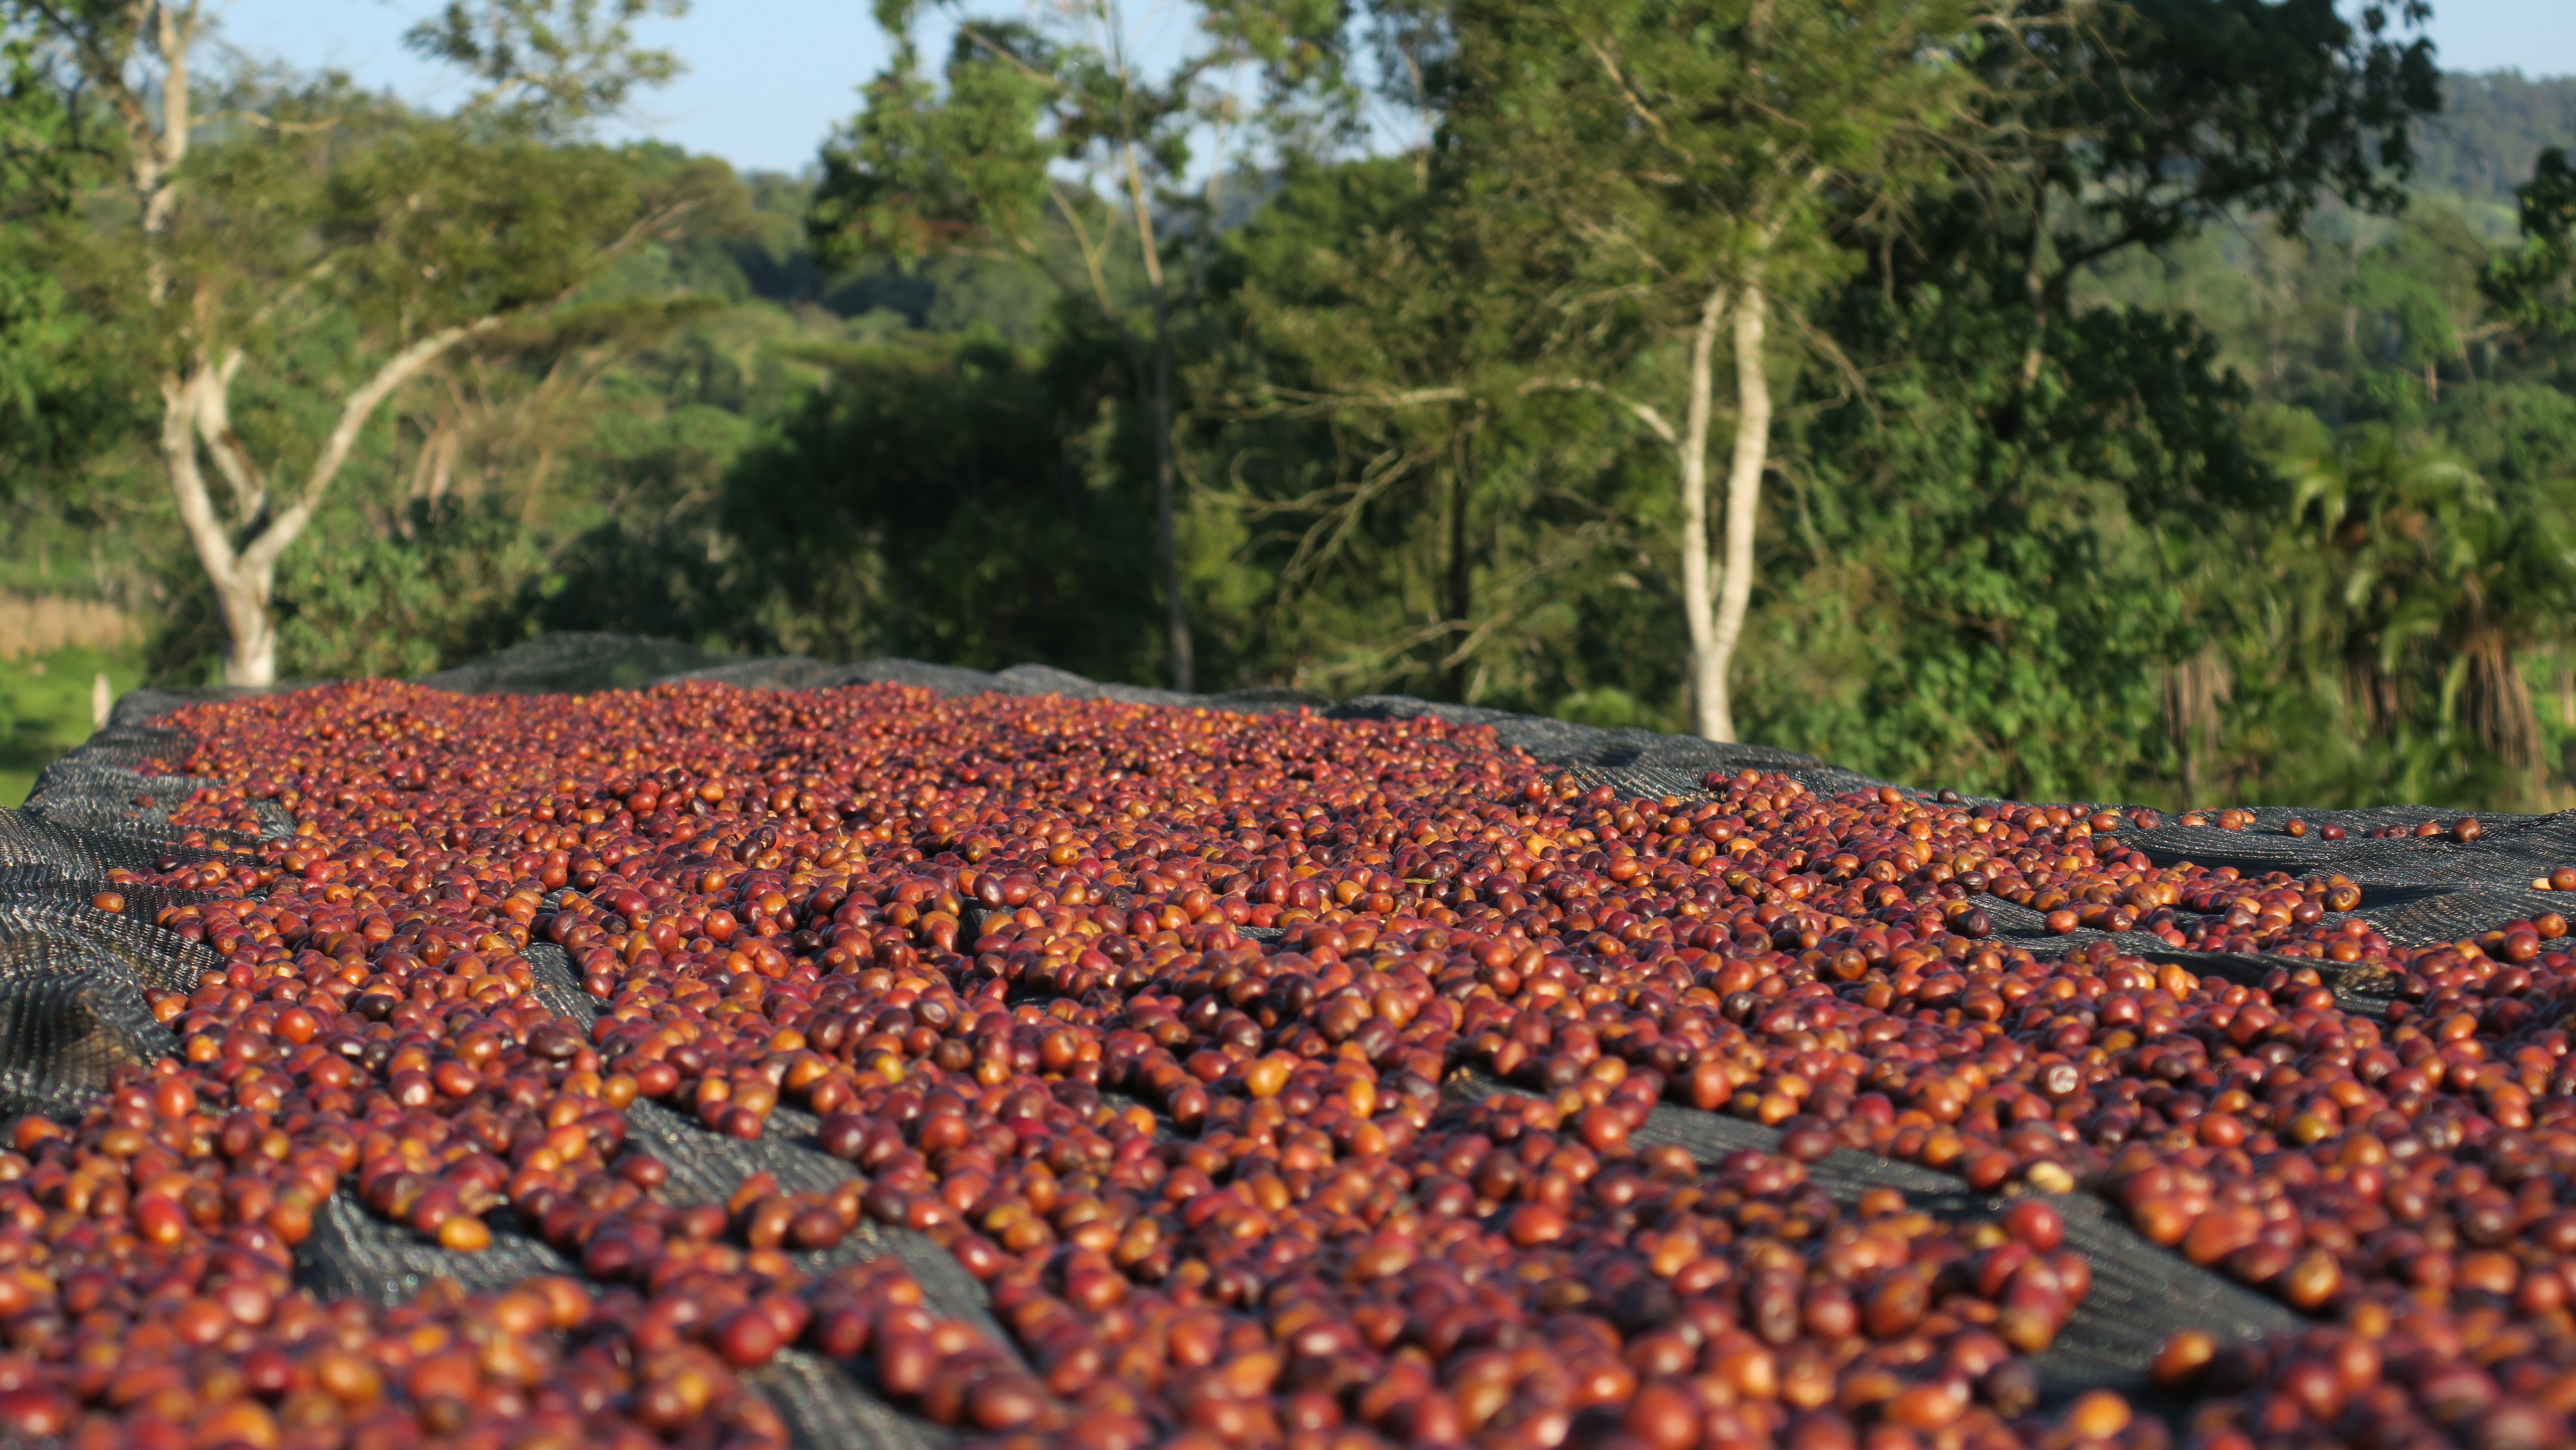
[787,1053]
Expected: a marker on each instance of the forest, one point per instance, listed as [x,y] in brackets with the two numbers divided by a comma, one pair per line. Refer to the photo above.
[2171,402]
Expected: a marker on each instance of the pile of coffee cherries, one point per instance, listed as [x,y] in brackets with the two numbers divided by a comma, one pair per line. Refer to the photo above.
[1224,1190]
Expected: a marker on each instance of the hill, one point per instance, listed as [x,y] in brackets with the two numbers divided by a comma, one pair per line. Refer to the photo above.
[2490,129]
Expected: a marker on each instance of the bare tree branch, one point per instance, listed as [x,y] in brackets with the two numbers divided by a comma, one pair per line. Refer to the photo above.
[402,367]
[212,388]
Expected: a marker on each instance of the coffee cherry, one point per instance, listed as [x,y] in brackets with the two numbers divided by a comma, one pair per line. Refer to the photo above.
[1211,1182]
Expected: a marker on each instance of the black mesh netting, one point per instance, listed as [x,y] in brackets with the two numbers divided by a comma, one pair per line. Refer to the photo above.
[708,1166]
[73,980]
[103,789]
[2142,1293]
[31,842]
[558,664]
[70,1012]
[144,953]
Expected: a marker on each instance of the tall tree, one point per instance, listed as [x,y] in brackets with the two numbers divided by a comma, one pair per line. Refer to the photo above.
[2072,465]
[263,227]
[2106,127]
[1383,469]
[59,401]
[972,168]
[1677,166]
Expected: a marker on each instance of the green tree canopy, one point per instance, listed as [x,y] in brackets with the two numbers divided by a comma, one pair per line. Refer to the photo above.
[319,248]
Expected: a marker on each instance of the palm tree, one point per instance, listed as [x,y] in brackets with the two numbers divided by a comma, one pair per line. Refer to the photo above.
[2435,588]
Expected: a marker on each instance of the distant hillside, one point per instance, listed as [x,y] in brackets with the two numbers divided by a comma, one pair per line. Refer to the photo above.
[2490,130]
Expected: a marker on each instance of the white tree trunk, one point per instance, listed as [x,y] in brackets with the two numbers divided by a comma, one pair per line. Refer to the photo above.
[1708,681]
[241,594]
[194,407]
[155,116]
[1743,500]
[251,658]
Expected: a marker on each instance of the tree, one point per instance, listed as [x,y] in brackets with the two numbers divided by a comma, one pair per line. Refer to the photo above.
[2534,287]
[925,504]
[501,412]
[319,243]
[1676,166]
[2034,517]
[2440,589]
[2108,127]
[920,173]
[1404,499]
[59,402]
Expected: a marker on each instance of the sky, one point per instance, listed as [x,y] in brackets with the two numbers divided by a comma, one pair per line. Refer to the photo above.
[768,79]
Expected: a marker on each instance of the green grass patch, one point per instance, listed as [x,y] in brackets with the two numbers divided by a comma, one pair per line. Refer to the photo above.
[45,703]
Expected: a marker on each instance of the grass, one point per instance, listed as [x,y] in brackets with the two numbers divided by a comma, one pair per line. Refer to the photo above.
[45,708]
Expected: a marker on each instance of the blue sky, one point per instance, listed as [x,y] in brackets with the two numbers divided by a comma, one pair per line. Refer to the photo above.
[768,78]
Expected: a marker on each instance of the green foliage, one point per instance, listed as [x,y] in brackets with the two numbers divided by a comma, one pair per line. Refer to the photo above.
[2440,587]
[278,256]
[599,445]
[971,171]
[447,588]
[2157,118]
[955,501]
[2521,436]
[2359,320]
[1994,612]
[917,174]
[961,164]
[502,223]
[1621,160]
[2131,443]
[2535,288]
[62,397]
[2395,663]
[1409,519]
[653,561]
[549,66]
